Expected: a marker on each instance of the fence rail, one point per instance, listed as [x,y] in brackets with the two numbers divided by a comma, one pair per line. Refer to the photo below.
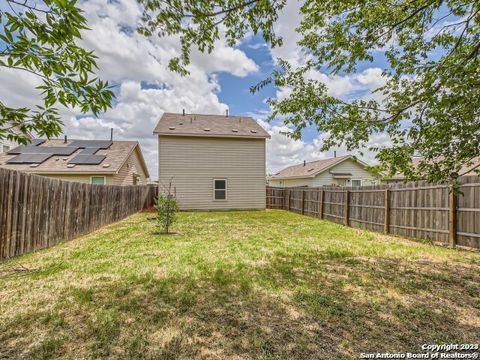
[415,210]
[37,212]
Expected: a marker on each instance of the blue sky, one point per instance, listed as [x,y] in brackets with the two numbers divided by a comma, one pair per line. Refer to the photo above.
[235,91]
[145,88]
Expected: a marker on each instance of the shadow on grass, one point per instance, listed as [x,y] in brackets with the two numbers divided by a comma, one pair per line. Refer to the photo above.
[325,305]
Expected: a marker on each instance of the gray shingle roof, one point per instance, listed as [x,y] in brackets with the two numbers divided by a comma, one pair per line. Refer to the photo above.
[310,169]
[209,125]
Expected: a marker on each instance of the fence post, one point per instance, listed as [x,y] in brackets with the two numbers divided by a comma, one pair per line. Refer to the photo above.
[322,193]
[386,226]
[452,217]
[303,201]
[346,207]
[288,199]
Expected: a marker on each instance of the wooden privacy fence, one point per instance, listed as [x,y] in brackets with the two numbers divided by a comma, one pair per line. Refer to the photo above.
[415,210]
[37,212]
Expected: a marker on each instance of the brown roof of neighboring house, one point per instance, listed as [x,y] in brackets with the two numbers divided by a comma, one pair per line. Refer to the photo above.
[311,169]
[115,156]
[209,125]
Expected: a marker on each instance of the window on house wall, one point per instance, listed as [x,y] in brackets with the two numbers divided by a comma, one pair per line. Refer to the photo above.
[219,189]
[357,182]
[100,180]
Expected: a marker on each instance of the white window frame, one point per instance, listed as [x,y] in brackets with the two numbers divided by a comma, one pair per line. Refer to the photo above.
[226,189]
[351,182]
[97,176]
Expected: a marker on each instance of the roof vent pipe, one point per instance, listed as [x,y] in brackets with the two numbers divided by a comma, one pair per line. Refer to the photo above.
[66,139]
[226,113]
[111,134]
[335,154]
[304,162]
[183,112]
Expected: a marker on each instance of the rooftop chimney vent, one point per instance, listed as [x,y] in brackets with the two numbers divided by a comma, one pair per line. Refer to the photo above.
[183,112]
[226,113]
[304,162]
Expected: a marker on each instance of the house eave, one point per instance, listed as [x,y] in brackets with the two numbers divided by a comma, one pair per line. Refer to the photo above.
[293,177]
[214,135]
[42,172]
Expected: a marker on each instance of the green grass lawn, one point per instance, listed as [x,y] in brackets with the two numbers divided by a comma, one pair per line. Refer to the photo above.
[236,285]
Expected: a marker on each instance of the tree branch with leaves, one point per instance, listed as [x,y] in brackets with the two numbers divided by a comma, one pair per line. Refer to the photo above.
[429,105]
[41,38]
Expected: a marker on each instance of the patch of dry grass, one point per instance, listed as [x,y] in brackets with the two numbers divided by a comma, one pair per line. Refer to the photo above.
[236,285]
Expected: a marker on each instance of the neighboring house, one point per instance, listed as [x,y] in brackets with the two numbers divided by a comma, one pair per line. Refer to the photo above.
[215,162]
[87,161]
[6,145]
[466,170]
[341,171]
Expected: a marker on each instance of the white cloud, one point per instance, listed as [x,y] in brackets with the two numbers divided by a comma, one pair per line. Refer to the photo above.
[283,151]
[129,61]
[360,85]
[288,20]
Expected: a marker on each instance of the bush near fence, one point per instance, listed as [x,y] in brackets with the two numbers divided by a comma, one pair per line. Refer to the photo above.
[415,210]
[37,212]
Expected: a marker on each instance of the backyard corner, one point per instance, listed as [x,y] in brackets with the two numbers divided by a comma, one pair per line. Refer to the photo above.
[236,285]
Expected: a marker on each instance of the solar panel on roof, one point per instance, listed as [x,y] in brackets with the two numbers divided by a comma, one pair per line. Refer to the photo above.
[32,145]
[36,142]
[29,159]
[89,151]
[20,149]
[33,153]
[54,150]
[87,159]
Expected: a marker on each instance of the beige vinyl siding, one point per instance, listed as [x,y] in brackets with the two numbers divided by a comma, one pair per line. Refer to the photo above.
[83,178]
[131,166]
[348,166]
[194,162]
[326,178]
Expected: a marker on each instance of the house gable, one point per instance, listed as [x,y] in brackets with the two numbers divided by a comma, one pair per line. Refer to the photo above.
[331,172]
[342,169]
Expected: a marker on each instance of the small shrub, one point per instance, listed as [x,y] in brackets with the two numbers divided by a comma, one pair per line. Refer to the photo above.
[166,206]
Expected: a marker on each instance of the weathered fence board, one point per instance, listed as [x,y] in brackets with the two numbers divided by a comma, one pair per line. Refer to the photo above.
[415,210]
[37,212]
